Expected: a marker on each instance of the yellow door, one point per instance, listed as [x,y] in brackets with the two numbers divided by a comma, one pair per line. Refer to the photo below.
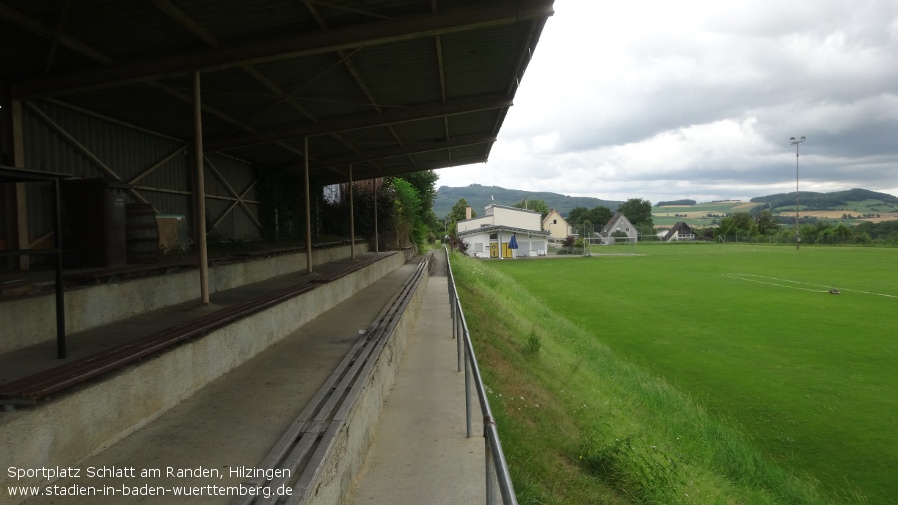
[494,250]
[506,251]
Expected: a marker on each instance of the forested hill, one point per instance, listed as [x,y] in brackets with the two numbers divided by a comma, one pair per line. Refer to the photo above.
[824,201]
[479,197]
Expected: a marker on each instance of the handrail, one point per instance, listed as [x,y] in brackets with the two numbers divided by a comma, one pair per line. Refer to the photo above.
[496,466]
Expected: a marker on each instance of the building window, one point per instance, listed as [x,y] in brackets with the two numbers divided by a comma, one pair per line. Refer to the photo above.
[478,247]
[494,236]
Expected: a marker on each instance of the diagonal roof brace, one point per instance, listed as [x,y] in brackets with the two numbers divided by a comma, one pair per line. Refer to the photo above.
[335,39]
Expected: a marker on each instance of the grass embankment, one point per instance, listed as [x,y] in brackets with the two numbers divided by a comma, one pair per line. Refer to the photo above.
[579,424]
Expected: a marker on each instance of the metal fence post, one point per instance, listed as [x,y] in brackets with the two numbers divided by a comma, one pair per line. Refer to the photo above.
[458,336]
[490,472]
[468,388]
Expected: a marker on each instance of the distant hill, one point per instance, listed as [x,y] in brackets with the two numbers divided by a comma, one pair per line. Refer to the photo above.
[825,201]
[479,197]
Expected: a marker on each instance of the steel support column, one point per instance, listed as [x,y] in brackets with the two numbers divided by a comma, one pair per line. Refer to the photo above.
[7,158]
[351,218]
[60,296]
[23,240]
[305,151]
[200,191]
[376,237]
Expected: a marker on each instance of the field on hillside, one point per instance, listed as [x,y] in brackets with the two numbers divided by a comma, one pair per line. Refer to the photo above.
[752,334]
[697,215]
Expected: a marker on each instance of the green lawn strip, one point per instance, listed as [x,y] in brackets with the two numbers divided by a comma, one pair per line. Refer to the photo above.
[581,425]
[808,375]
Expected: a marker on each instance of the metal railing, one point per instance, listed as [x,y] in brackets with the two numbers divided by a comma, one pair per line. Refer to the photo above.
[496,467]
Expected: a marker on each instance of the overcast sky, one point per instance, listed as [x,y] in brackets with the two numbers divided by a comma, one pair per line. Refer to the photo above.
[698,99]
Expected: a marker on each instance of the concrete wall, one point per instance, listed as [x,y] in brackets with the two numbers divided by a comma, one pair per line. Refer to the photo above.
[35,437]
[352,430]
[30,321]
[497,215]
[517,218]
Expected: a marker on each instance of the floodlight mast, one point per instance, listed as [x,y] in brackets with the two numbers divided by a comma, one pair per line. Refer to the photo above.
[797,233]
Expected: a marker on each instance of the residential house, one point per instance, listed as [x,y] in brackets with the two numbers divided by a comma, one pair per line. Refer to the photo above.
[680,231]
[615,229]
[491,235]
[556,225]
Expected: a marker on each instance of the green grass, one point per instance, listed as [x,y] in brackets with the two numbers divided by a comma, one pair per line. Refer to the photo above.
[714,344]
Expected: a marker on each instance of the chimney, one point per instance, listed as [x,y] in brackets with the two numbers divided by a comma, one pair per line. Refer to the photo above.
[467,212]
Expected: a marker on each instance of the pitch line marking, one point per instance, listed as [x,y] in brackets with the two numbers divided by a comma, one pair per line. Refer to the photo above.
[763,279]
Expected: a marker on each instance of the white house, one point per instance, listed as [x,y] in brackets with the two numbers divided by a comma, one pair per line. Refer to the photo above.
[616,227]
[494,234]
[556,225]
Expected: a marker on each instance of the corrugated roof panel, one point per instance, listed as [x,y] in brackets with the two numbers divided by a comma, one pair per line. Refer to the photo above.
[422,131]
[236,22]
[401,74]
[473,123]
[340,13]
[482,61]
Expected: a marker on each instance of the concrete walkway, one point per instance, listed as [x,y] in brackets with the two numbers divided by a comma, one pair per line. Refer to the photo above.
[420,453]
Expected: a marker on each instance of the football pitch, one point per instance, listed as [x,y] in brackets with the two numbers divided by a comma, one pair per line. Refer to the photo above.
[755,335]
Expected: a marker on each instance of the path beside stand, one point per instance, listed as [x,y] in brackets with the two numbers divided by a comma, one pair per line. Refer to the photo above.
[420,453]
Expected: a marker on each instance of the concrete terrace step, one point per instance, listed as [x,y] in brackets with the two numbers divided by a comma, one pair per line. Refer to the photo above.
[28,390]
[73,425]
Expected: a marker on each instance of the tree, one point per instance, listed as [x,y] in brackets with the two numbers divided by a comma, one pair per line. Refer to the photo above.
[740,223]
[595,218]
[638,211]
[407,213]
[458,213]
[767,223]
[600,215]
[424,183]
[535,205]
[577,215]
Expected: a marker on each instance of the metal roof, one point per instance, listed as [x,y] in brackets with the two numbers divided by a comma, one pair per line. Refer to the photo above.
[390,86]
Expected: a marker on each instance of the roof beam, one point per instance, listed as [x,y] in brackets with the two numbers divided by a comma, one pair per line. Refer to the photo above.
[364,121]
[362,172]
[404,150]
[370,34]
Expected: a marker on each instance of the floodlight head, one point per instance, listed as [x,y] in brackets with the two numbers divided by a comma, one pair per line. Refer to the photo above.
[792,139]
[802,138]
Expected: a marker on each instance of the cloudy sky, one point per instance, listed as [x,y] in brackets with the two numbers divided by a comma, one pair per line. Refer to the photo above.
[698,99]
